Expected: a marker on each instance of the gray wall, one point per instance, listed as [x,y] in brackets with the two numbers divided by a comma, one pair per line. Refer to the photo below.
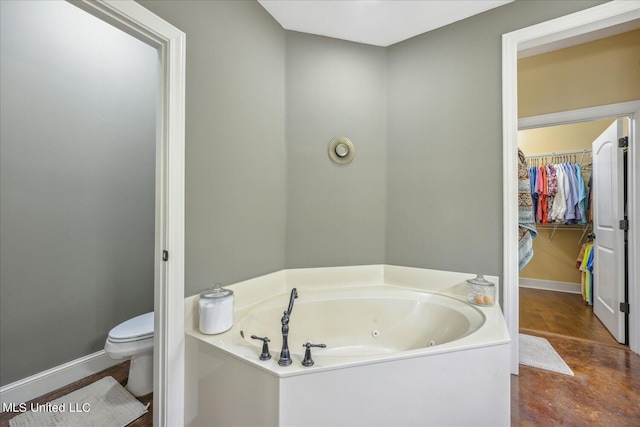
[77,177]
[335,213]
[235,140]
[444,140]
[424,189]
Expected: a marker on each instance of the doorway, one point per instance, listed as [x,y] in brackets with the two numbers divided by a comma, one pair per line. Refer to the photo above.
[628,109]
[170,42]
[558,293]
[168,262]
[567,30]
[77,185]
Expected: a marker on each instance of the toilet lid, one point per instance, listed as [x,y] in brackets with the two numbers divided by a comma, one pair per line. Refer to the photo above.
[136,329]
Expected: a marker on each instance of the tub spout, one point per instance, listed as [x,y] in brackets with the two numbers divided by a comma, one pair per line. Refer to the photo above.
[294,295]
[285,357]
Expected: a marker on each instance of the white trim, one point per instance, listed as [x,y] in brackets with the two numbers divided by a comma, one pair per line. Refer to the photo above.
[510,193]
[131,17]
[550,285]
[596,18]
[580,115]
[633,181]
[583,38]
[52,379]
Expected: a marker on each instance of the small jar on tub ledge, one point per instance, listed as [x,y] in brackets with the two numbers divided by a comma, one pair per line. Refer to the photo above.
[481,292]
[216,310]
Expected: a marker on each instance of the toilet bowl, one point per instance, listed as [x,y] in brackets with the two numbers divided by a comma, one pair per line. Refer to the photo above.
[133,340]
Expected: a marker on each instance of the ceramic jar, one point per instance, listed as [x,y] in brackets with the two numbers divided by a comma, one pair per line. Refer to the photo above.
[216,310]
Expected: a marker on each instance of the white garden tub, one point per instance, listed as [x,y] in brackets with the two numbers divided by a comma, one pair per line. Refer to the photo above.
[403,348]
[362,321]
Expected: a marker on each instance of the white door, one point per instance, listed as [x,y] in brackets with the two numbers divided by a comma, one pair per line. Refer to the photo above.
[608,210]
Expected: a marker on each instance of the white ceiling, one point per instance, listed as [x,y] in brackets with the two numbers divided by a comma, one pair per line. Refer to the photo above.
[375,22]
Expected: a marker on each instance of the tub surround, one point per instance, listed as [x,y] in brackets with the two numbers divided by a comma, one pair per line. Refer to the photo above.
[278,286]
[459,382]
[254,290]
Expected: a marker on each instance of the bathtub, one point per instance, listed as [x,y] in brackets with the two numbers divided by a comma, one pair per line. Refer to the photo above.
[403,347]
[364,321]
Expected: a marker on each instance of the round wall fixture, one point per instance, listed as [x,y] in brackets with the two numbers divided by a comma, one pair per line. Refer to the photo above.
[341,150]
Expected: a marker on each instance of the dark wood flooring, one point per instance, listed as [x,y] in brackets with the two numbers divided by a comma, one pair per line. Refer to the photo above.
[605,390]
[563,314]
[119,373]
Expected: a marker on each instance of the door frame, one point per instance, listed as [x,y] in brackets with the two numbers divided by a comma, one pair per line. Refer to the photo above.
[625,109]
[170,42]
[580,23]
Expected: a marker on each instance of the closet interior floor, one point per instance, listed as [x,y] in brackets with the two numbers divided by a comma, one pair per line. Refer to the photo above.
[561,313]
[606,387]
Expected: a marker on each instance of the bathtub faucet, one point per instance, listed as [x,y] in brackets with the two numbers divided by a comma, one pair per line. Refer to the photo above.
[285,357]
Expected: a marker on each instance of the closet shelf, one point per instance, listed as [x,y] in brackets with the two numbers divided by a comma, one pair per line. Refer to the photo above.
[559,226]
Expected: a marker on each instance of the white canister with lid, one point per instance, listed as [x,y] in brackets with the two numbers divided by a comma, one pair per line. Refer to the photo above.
[216,310]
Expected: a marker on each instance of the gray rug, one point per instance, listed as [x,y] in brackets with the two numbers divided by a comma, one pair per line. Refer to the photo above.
[105,403]
[538,353]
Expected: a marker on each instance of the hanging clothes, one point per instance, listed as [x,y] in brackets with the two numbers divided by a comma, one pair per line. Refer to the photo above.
[552,189]
[590,275]
[579,261]
[586,267]
[558,194]
[560,201]
[526,219]
[533,181]
[542,200]
[571,193]
[582,195]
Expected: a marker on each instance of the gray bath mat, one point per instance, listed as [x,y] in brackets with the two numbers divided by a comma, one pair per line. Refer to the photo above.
[538,353]
[104,403]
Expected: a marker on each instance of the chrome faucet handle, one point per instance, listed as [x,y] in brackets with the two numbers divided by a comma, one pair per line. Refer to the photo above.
[265,347]
[308,361]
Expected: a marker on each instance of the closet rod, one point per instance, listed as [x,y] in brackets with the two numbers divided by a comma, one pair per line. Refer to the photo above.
[559,153]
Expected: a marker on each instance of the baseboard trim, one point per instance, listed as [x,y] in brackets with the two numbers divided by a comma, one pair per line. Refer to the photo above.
[550,285]
[52,379]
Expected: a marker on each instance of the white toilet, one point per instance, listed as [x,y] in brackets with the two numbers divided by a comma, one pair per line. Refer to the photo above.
[133,340]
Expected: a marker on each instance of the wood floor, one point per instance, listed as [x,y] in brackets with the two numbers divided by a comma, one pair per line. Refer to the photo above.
[605,390]
[119,373]
[561,313]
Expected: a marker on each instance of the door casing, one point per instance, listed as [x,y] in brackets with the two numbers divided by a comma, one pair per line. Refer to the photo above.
[597,18]
[170,42]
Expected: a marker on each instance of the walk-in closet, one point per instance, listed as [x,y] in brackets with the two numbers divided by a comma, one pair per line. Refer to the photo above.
[557,283]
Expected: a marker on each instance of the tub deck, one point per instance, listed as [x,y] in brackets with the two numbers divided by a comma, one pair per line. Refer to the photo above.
[465,381]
